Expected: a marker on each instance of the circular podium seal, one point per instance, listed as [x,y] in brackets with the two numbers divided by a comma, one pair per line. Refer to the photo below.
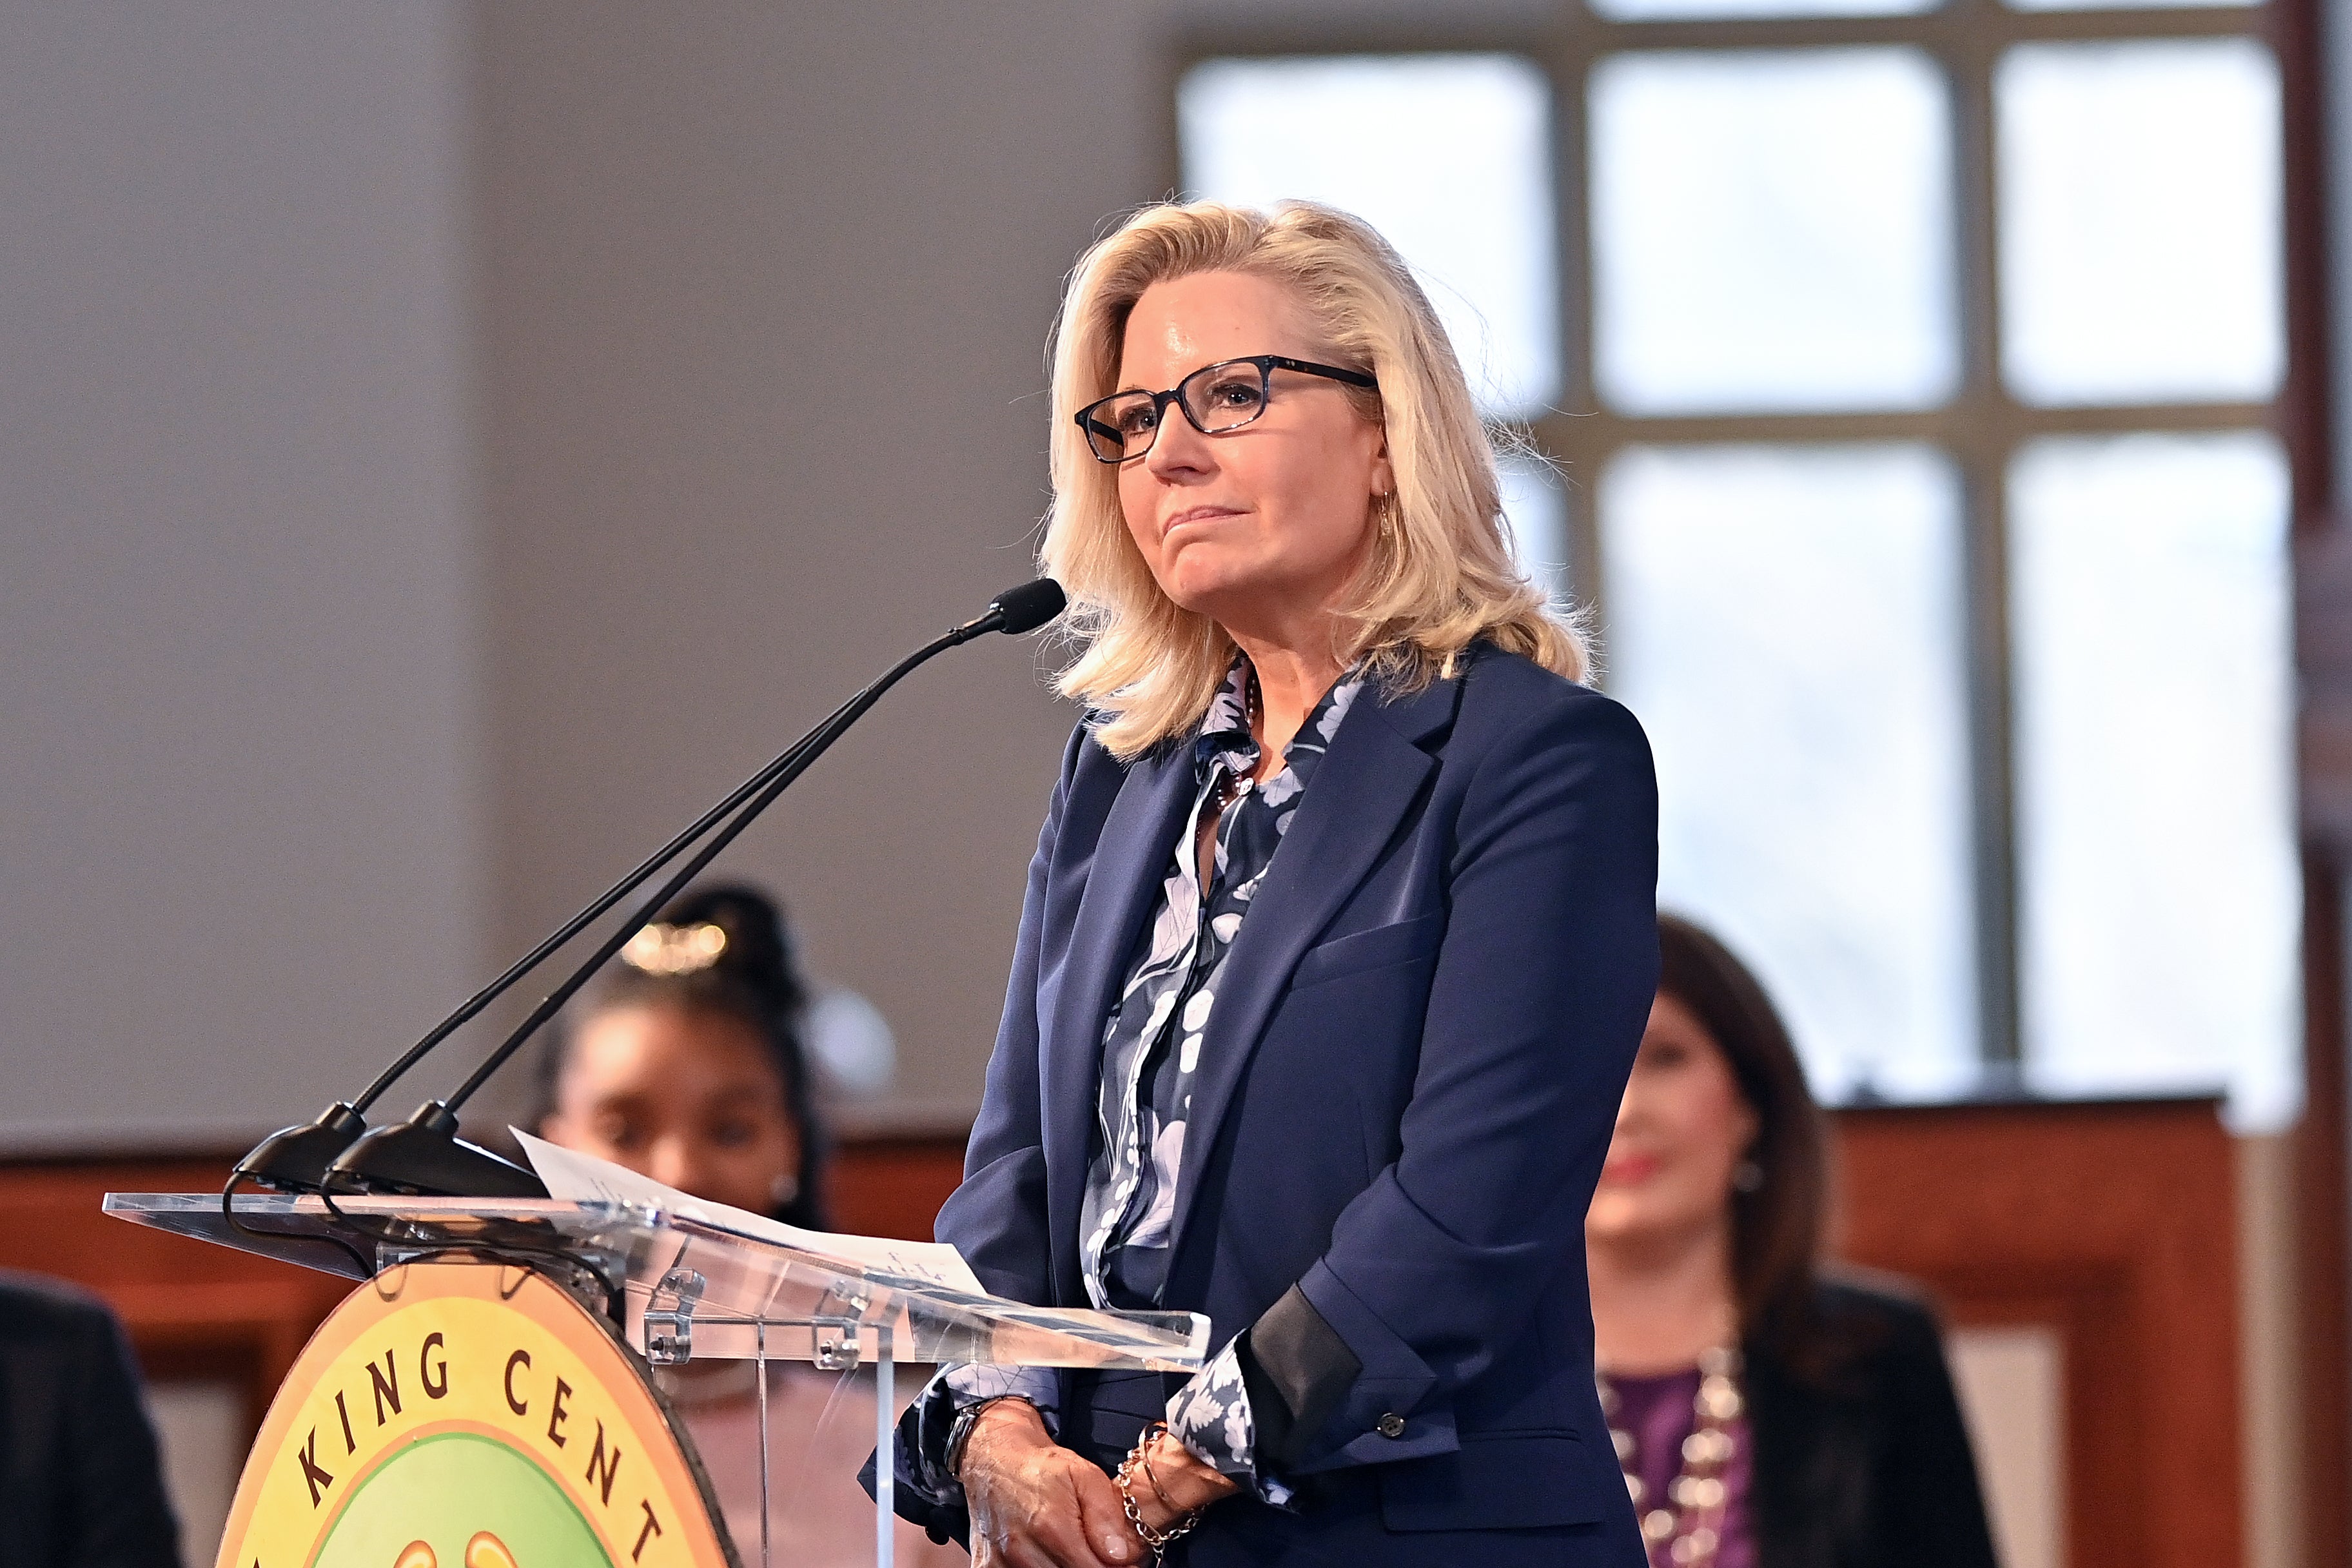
[468,1415]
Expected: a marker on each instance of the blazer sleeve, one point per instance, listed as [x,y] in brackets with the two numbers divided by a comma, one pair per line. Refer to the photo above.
[1546,975]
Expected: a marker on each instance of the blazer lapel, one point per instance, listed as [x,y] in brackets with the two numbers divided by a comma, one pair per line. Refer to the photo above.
[1367,783]
[1138,838]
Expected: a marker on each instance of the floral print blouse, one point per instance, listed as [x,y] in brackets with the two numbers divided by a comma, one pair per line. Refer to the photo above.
[1152,1052]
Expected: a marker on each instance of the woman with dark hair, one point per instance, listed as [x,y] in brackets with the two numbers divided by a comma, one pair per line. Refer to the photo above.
[1767,1415]
[685,1062]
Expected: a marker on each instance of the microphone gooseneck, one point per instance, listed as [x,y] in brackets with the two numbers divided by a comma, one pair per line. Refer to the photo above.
[297,1159]
[424,1154]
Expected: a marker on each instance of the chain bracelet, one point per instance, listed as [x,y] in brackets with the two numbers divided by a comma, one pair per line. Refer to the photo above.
[1155,1542]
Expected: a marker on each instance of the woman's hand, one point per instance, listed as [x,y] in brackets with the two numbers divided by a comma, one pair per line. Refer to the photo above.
[1037,1505]
[1186,1485]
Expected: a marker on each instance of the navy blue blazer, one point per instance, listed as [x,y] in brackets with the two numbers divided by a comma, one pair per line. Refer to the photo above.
[1405,1099]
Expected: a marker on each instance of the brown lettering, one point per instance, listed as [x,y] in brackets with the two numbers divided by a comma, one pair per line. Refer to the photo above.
[556,1413]
[596,1461]
[652,1529]
[319,1480]
[349,1446]
[435,1377]
[521,1359]
[385,1384]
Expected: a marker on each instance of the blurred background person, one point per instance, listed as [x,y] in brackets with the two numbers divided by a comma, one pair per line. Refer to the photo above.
[1767,1415]
[80,1482]
[685,1062]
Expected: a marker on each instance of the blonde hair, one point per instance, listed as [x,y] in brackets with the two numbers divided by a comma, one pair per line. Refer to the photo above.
[1438,574]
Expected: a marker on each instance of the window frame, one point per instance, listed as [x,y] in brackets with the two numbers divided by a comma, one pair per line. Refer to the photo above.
[1980,429]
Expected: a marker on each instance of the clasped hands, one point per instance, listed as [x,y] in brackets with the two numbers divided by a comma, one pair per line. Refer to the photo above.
[1035,1504]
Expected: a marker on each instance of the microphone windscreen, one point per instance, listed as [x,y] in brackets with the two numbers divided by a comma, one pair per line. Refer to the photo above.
[1030,605]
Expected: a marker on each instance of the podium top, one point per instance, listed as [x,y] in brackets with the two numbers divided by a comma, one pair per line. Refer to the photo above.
[684,1285]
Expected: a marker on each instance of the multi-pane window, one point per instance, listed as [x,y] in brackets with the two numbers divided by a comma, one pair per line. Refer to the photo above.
[1903,384]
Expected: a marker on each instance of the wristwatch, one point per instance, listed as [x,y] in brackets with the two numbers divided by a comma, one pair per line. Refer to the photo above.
[959,1432]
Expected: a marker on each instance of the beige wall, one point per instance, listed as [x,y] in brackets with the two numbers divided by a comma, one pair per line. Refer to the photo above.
[763,292]
[241,810]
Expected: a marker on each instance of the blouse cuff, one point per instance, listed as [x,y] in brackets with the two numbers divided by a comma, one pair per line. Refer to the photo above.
[1210,1416]
[1041,1386]
[922,1438]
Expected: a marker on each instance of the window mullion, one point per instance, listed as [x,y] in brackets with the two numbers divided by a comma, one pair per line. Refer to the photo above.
[1566,440]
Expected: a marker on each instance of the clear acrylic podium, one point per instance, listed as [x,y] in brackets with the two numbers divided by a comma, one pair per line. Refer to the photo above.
[681,1289]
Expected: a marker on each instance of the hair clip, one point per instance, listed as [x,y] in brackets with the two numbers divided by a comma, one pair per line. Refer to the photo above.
[665,948]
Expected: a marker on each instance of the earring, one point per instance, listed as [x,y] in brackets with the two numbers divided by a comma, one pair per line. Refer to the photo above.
[1747,1175]
[783,1189]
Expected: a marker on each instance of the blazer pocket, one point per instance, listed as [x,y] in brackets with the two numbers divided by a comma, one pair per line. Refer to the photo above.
[1502,1480]
[1376,947]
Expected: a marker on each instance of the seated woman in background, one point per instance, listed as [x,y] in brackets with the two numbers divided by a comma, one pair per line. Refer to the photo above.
[1768,1416]
[685,1062]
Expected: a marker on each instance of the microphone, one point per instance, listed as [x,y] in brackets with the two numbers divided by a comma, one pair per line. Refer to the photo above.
[1017,610]
[424,1155]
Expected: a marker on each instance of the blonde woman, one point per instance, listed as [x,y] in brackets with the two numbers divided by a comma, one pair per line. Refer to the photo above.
[1337,949]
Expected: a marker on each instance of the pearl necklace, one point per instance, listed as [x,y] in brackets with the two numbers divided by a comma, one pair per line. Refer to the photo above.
[1689,1521]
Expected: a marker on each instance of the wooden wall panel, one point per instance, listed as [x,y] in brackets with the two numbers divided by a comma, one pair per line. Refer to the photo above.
[2116,1225]
[894,1186]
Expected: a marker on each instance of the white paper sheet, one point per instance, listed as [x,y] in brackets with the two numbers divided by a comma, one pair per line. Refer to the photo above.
[584,1178]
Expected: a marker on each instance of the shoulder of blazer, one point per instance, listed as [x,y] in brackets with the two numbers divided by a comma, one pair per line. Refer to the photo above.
[1491,693]
[1862,1330]
[1089,769]
[1505,695]
[34,1308]
[1864,1317]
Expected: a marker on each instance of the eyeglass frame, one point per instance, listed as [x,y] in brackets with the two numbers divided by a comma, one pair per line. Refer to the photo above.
[1266,365]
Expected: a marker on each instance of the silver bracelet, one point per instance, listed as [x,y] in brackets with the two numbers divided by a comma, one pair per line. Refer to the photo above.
[959,1432]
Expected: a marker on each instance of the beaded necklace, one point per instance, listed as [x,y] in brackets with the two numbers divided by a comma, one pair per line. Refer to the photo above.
[1687,1522]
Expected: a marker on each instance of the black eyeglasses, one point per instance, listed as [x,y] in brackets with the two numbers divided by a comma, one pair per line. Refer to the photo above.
[1215,398]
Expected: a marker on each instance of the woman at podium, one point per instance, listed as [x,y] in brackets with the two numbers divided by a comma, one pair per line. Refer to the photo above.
[685,1062]
[1337,947]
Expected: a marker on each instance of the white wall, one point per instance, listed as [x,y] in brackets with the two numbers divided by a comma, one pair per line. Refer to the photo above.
[239,799]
